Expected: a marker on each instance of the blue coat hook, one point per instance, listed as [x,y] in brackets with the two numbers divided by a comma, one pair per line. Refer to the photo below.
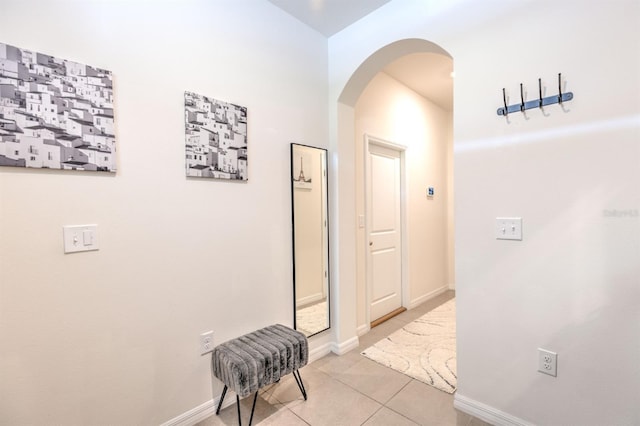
[538,103]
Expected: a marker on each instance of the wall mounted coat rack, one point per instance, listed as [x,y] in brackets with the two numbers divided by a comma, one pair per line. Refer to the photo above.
[536,103]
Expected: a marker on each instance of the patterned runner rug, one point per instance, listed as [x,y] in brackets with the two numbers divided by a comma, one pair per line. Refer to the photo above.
[424,349]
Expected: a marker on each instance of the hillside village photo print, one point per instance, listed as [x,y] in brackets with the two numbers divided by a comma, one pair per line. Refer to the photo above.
[215,138]
[54,113]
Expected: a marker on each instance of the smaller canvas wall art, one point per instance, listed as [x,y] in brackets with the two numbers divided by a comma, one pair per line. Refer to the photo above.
[54,113]
[215,138]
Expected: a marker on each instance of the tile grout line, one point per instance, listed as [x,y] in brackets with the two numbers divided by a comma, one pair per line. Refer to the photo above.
[382,404]
[389,408]
[303,420]
[372,414]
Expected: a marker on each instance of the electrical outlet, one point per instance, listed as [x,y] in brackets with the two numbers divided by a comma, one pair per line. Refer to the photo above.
[206,342]
[547,362]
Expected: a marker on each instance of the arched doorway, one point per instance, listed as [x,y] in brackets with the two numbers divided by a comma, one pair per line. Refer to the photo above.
[348,212]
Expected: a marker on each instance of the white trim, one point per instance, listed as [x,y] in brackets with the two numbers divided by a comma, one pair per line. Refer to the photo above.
[384,143]
[404,262]
[344,347]
[317,353]
[308,300]
[195,415]
[486,413]
[363,329]
[420,300]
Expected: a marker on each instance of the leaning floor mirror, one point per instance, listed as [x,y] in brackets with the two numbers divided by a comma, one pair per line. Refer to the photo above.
[310,239]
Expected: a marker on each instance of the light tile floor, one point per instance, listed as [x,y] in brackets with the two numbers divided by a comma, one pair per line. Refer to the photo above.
[353,390]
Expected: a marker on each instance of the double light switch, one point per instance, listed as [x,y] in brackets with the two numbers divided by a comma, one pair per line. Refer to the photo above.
[509,228]
[80,238]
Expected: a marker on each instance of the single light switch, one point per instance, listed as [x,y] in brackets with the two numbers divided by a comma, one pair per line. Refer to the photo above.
[80,238]
[87,237]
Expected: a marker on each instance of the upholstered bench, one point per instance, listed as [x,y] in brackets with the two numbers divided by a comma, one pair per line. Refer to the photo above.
[250,362]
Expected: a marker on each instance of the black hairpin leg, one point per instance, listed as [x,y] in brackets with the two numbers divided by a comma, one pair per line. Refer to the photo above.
[253,408]
[224,392]
[238,405]
[255,398]
[298,377]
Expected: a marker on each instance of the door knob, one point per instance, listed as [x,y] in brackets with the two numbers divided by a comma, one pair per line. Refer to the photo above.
[370,243]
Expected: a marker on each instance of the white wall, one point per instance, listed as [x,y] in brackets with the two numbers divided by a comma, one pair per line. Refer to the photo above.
[111,337]
[389,110]
[571,285]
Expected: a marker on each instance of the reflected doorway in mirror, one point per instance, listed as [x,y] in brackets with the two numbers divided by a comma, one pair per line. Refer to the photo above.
[310,239]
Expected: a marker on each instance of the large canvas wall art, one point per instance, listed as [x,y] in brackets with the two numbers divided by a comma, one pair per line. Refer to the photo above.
[215,138]
[54,113]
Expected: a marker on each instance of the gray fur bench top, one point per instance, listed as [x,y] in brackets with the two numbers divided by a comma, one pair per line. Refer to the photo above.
[257,359]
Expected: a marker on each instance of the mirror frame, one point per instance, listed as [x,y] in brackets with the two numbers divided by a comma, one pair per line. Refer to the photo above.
[326,235]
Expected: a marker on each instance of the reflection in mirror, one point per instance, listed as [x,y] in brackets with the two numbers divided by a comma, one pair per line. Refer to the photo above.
[310,239]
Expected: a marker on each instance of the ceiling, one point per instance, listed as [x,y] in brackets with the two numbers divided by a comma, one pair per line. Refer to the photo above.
[428,74]
[329,16]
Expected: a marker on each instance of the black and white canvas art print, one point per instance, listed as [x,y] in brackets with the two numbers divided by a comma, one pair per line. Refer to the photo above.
[215,138]
[54,113]
[302,171]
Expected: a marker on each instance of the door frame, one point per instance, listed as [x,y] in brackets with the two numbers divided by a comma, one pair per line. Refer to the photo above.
[404,282]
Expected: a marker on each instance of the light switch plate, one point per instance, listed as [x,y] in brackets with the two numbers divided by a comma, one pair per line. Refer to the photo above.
[80,238]
[509,228]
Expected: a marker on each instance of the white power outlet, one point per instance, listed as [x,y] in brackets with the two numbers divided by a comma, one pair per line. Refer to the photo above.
[547,362]
[206,342]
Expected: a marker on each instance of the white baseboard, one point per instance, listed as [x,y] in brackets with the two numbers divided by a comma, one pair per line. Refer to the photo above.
[344,347]
[195,415]
[486,413]
[308,300]
[363,329]
[425,297]
[317,353]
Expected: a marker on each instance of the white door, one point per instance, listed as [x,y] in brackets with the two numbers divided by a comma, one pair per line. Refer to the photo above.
[384,260]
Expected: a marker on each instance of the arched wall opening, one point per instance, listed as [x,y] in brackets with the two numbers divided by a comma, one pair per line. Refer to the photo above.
[378,60]
[348,189]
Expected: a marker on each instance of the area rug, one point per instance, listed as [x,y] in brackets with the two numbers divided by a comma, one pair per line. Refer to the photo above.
[424,349]
[312,319]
